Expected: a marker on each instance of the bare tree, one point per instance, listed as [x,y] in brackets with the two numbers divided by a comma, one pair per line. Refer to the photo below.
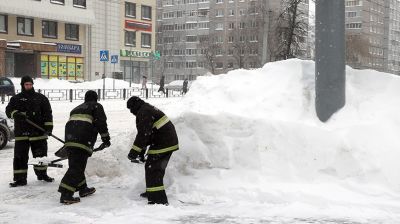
[210,48]
[356,49]
[290,30]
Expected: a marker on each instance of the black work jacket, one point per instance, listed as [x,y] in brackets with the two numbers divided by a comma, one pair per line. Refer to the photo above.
[154,129]
[37,108]
[85,122]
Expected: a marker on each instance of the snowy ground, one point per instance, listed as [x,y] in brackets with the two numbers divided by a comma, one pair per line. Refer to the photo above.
[251,151]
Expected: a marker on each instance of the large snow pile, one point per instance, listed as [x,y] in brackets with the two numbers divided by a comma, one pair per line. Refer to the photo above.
[264,120]
[251,151]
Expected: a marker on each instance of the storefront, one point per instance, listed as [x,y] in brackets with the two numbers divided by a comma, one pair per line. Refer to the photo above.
[62,66]
[135,64]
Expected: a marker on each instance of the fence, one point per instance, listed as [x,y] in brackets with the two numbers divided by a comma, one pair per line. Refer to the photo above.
[107,94]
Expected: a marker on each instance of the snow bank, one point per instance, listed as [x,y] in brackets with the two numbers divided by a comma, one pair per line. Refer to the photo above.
[264,120]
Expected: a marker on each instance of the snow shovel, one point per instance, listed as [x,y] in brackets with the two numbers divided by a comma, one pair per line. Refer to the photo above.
[40,128]
[54,163]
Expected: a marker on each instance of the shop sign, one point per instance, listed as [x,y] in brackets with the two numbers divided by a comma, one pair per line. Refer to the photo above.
[69,48]
[134,25]
[135,54]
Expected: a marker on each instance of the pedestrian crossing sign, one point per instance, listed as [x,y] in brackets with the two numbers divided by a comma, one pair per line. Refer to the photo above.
[104,55]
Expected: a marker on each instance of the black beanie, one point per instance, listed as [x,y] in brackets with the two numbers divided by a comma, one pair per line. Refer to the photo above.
[134,103]
[25,79]
[90,96]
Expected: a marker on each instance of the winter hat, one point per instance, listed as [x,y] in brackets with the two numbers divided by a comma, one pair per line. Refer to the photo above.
[90,96]
[134,103]
[25,79]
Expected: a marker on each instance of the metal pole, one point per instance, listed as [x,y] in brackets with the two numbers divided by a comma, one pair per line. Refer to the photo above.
[130,60]
[104,79]
[330,73]
[114,78]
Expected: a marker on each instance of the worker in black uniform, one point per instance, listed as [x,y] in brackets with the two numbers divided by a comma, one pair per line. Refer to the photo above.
[85,122]
[154,129]
[34,106]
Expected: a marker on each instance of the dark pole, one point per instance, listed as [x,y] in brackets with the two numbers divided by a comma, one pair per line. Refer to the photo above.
[330,73]
[130,61]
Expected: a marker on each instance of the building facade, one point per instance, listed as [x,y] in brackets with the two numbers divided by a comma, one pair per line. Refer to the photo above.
[200,36]
[377,24]
[137,39]
[46,39]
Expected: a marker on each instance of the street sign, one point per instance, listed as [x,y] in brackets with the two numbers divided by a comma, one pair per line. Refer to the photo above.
[156,55]
[114,59]
[104,55]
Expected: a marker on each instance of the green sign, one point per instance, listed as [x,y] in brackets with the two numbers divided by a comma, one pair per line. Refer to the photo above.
[136,54]
[156,55]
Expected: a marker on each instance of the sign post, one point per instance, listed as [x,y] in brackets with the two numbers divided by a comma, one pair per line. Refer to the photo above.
[114,60]
[104,56]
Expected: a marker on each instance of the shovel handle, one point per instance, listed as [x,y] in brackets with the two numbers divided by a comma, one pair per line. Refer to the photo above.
[40,128]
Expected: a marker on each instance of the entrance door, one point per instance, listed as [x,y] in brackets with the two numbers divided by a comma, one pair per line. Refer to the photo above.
[24,65]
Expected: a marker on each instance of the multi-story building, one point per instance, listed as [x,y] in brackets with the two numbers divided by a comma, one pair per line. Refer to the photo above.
[126,29]
[377,24]
[137,39]
[392,24]
[45,38]
[200,36]
[181,26]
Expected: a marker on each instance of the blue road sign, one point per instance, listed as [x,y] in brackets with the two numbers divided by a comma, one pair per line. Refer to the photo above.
[114,59]
[104,55]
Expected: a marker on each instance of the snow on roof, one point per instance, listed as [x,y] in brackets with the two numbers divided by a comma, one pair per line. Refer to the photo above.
[26,41]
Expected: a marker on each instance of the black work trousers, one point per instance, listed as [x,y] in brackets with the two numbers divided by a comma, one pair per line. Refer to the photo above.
[74,179]
[21,157]
[154,171]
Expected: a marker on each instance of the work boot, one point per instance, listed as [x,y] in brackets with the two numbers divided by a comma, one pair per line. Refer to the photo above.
[87,191]
[45,178]
[18,183]
[67,198]
[143,195]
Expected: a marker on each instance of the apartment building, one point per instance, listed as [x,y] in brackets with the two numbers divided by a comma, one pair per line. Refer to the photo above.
[377,22]
[45,38]
[137,39]
[200,36]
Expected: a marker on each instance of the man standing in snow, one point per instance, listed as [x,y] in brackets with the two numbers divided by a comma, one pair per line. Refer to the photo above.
[162,82]
[85,122]
[154,129]
[34,106]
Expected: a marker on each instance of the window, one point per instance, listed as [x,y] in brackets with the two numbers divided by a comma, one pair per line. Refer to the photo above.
[49,29]
[24,26]
[231,26]
[146,12]
[71,32]
[219,1]
[80,3]
[3,24]
[220,26]
[130,9]
[219,12]
[231,12]
[61,2]
[146,40]
[130,38]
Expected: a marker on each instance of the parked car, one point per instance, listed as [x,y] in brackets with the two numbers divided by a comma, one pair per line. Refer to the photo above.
[6,87]
[6,130]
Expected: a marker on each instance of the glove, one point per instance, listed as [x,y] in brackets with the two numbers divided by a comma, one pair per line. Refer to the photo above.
[19,116]
[133,155]
[106,144]
[48,131]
